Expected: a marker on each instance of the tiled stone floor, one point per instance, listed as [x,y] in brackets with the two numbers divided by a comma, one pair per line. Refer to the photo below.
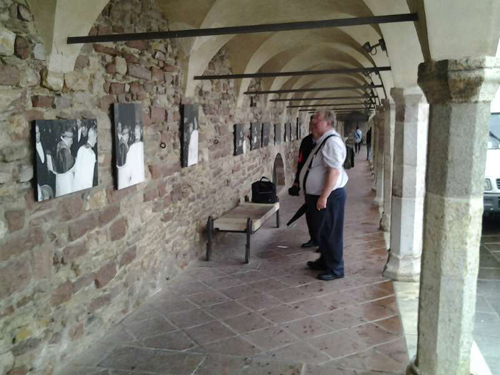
[487,324]
[271,316]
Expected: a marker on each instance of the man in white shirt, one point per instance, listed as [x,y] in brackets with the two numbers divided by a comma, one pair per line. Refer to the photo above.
[323,179]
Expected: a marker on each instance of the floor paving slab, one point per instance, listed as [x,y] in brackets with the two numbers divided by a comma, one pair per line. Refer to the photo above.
[271,316]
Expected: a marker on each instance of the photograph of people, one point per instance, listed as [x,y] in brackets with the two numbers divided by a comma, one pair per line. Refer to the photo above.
[129,148]
[136,156]
[85,162]
[64,163]
[190,136]
[66,156]
[193,144]
[44,178]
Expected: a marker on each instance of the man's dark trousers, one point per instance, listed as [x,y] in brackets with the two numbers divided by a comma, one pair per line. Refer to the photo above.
[310,226]
[330,224]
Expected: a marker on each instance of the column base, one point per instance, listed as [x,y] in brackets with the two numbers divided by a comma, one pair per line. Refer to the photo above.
[406,270]
[385,223]
[378,200]
[412,368]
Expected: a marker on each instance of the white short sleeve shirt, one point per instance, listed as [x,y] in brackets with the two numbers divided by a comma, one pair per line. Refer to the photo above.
[332,155]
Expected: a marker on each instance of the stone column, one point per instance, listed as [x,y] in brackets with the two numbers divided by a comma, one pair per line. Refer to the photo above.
[379,158]
[408,184]
[389,123]
[459,93]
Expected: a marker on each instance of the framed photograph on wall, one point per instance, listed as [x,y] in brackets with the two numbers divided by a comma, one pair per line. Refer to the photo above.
[239,139]
[290,132]
[299,129]
[277,134]
[66,157]
[266,128]
[255,135]
[189,135]
[129,144]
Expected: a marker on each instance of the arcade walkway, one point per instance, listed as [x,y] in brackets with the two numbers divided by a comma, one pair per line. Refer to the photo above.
[271,316]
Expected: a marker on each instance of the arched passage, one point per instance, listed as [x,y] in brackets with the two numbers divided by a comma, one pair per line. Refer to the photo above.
[279,172]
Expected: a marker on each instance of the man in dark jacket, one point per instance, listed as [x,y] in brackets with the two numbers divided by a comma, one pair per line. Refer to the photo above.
[306,146]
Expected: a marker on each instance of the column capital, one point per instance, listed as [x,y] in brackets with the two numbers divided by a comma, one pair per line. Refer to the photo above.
[467,80]
[410,95]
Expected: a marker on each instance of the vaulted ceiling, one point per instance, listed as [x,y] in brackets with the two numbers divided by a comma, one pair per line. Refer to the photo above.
[330,48]
[446,29]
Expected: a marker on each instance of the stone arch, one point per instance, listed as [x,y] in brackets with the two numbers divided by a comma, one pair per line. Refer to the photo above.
[56,20]
[279,172]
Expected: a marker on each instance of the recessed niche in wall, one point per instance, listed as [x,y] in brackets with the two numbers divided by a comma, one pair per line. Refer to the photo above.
[66,156]
[290,132]
[239,139]
[255,136]
[287,132]
[299,129]
[266,128]
[277,134]
[129,144]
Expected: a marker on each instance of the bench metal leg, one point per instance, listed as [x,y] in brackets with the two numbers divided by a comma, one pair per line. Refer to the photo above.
[210,233]
[249,232]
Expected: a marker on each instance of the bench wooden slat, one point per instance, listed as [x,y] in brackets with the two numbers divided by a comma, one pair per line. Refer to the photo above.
[236,219]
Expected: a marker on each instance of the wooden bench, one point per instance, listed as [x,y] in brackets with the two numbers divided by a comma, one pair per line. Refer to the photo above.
[246,218]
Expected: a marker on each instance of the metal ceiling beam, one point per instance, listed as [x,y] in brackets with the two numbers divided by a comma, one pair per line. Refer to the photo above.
[312,110]
[294,73]
[324,105]
[335,109]
[323,98]
[249,29]
[363,87]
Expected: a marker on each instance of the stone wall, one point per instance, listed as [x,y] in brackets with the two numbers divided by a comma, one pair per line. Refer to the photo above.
[72,267]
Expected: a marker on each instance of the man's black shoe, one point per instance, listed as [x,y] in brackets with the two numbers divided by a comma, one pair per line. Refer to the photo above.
[329,276]
[315,266]
[310,243]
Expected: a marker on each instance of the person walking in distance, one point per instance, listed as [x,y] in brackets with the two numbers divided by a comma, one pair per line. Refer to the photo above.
[323,179]
[358,137]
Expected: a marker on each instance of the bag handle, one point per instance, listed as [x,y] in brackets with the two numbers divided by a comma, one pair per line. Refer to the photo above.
[264,177]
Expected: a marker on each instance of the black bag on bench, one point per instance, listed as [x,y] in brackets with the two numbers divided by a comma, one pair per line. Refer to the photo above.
[264,191]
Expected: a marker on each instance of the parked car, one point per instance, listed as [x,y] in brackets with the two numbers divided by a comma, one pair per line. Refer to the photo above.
[492,172]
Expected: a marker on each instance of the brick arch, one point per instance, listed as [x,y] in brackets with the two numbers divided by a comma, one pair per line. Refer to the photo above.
[279,171]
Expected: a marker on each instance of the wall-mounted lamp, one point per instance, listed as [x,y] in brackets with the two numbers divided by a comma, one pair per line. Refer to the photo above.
[372,50]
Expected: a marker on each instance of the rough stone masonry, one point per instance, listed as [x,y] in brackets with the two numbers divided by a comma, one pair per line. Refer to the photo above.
[72,267]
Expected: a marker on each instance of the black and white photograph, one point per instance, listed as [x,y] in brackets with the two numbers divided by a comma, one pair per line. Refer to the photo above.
[129,144]
[287,133]
[290,132]
[255,135]
[299,129]
[239,139]
[277,134]
[189,134]
[265,134]
[66,157]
